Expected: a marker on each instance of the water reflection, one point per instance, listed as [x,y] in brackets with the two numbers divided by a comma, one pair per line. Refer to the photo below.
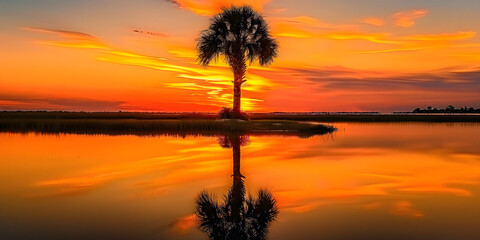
[374,181]
[236,217]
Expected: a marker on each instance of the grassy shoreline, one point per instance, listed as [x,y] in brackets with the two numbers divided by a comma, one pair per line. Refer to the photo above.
[207,127]
[344,117]
[119,123]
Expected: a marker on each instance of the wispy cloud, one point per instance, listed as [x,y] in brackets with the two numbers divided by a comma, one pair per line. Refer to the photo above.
[342,86]
[76,39]
[407,18]
[422,42]
[359,90]
[393,50]
[405,208]
[33,101]
[211,7]
[443,37]
[307,27]
[213,82]
[184,224]
[333,78]
[373,21]
[372,37]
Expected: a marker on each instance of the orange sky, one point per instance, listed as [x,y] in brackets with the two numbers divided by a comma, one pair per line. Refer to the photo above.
[334,56]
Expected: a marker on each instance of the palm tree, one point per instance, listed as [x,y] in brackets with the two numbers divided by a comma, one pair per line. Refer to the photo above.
[240,34]
[237,217]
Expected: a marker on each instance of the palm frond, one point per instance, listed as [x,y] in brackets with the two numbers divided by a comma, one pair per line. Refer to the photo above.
[240,34]
[260,212]
[209,214]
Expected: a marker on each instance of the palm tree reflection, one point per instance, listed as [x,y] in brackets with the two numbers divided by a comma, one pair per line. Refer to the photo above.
[236,217]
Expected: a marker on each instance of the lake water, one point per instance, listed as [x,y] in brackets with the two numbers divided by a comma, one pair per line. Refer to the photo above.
[365,181]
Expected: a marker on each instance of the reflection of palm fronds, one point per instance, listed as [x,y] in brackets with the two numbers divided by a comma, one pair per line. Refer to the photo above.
[228,141]
[236,218]
[211,216]
[235,199]
[260,211]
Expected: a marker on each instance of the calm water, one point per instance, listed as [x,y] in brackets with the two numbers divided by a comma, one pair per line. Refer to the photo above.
[366,181]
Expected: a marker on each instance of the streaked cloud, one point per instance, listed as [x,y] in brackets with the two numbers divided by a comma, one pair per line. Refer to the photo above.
[343,78]
[184,224]
[422,42]
[405,208]
[77,39]
[371,37]
[308,27]
[443,37]
[360,90]
[407,18]
[211,7]
[304,27]
[373,21]
[213,82]
[34,101]
[394,50]
[284,30]
[310,22]
[268,88]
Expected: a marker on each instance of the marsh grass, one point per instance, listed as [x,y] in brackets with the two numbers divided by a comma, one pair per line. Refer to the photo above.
[114,123]
[254,116]
[161,126]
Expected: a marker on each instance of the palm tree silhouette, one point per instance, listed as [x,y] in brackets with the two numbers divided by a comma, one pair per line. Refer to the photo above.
[240,34]
[236,217]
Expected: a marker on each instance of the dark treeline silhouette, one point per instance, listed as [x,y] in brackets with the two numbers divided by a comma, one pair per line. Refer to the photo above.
[105,115]
[237,216]
[449,109]
[39,120]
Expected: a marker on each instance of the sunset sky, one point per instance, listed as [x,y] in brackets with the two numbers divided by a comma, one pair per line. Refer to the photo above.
[335,55]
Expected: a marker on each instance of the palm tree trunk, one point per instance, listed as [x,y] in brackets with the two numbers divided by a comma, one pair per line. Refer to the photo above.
[236,158]
[239,67]
[238,188]
[237,95]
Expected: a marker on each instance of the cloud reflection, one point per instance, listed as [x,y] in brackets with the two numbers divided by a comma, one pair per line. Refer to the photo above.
[352,169]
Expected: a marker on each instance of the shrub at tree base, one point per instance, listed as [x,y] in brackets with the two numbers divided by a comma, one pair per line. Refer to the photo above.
[228,113]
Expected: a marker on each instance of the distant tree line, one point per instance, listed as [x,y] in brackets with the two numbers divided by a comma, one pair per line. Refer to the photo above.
[449,109]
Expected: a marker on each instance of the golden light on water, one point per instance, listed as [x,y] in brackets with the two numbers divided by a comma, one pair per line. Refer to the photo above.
[374,168]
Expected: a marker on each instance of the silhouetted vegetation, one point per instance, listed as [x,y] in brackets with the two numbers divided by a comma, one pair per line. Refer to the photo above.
[226,141]
[367,117]
[236,217]
[160,126]
[449,109]
[308,116]
[103,115]
[240,34]
[227,113]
